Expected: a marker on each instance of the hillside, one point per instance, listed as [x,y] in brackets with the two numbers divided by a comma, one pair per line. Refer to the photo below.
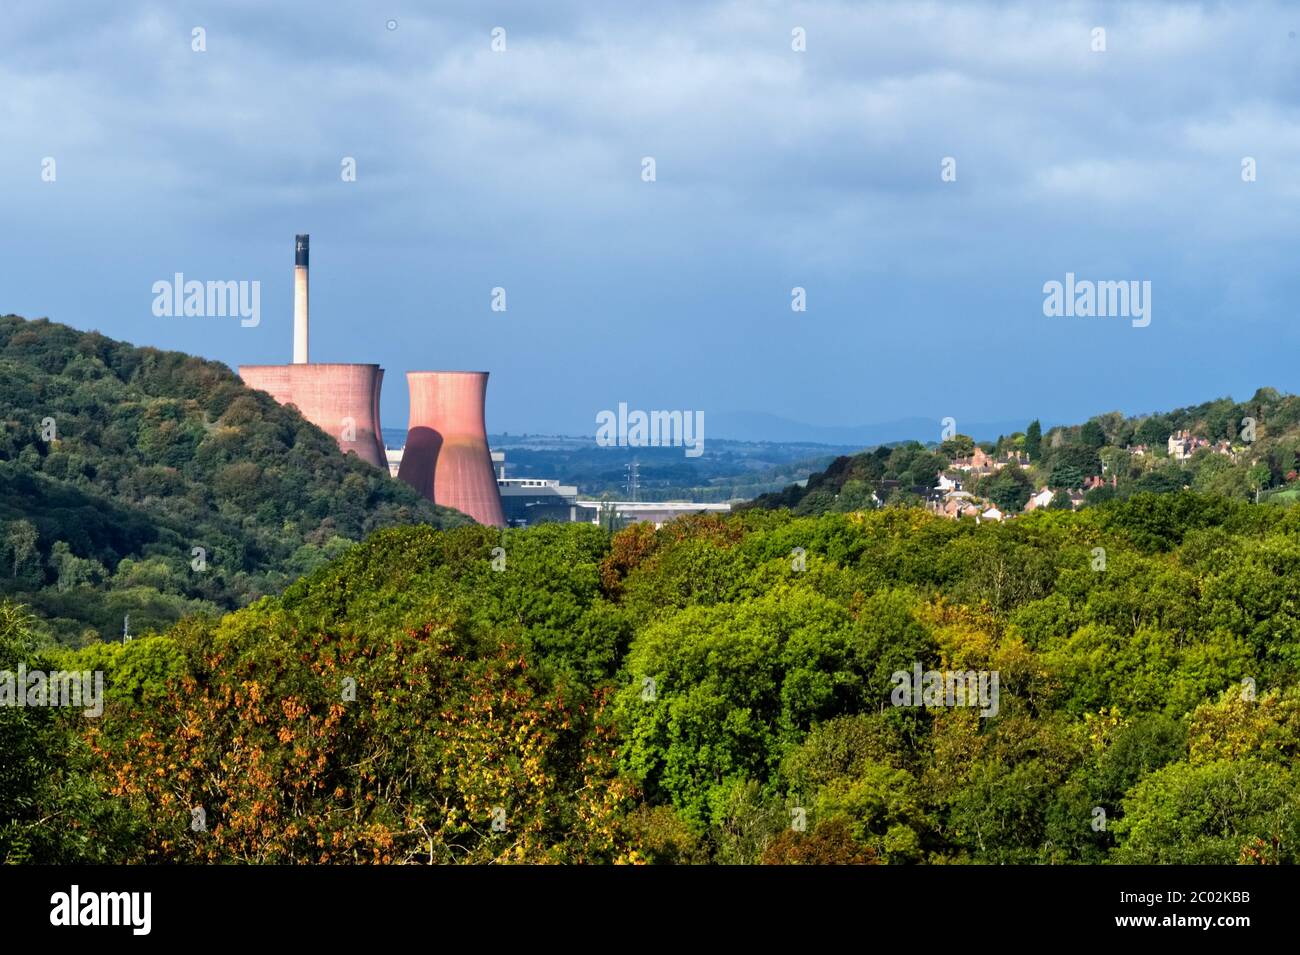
[117,462]
[682,695]
[1243,451]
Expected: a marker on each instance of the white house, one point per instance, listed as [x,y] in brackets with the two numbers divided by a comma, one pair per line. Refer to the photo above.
[1041,499]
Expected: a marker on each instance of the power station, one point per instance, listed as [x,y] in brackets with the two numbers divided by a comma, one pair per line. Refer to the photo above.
[446,457]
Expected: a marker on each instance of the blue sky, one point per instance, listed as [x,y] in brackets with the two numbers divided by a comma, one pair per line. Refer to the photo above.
[775,168]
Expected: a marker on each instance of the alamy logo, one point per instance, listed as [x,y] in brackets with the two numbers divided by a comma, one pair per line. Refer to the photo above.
[1088,299]
[194,299]
[76,688]
[936,688]
[657,429]
[134,909]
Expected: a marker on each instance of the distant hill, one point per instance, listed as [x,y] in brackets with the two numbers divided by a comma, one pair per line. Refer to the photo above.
[155,484]
[1241,450]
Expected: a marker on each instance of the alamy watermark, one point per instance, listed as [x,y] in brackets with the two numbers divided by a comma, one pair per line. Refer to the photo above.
[1084,298]
[77,688]
[75,907]
[179,298]
[655,429]
[940,688]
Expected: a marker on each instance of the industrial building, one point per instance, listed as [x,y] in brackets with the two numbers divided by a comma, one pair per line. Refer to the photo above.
[529,501]
[655,512]
[446,456]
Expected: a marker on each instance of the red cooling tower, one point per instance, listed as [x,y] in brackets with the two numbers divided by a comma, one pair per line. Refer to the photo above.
[446,456]
[341,400]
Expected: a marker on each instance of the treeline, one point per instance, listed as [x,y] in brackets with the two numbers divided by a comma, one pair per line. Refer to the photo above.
[718,690]
[154,484]
[887,474]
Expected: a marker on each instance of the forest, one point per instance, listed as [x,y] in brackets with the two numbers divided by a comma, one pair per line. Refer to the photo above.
[714,691]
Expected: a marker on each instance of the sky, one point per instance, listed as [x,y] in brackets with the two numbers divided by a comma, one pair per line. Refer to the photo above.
[774,168]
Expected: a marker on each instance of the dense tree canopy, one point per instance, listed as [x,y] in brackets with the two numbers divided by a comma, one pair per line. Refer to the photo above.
[714,690]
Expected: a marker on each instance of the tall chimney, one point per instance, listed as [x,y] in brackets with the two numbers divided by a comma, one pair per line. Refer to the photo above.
[301,244]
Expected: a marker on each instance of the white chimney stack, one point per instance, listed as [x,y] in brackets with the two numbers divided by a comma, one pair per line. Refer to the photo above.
[300,299]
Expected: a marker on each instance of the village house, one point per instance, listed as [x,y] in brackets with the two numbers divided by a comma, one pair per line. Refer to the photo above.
[980,463]
[1225,448]
[977,463]
[1042,499]
[1183,444]
[947,483]
[955,504]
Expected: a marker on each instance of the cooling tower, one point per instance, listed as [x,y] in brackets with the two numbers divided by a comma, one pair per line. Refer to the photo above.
[446,456]
[341,400]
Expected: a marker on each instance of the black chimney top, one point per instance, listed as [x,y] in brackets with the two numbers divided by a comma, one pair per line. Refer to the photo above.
[301,243]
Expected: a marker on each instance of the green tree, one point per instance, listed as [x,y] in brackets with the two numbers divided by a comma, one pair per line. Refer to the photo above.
[1153,431]
[20,540]
[766,670]
[958,446]
[1084,459]
[1034,440]
[1219,813]
[1008,488]
[1065,476]
[52,810]
[71,570]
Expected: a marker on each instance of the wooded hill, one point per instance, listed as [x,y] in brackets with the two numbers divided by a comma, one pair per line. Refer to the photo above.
[117,462]
[1233,449]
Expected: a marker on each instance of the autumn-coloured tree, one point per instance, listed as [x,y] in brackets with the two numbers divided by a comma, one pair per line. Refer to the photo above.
[829,843]
[278,746]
